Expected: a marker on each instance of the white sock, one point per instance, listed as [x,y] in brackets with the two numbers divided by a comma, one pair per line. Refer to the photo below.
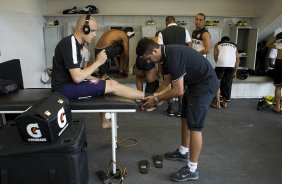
[192,166]
[183,150]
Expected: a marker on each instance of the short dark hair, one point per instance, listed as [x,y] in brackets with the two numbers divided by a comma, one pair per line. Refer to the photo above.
[128,29]
[201,14]
[225,39]
[170,19]
[145,46]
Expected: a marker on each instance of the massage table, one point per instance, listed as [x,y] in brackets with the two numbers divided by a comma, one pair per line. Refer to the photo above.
[19,101]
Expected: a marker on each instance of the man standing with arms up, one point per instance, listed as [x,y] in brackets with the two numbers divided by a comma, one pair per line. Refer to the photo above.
[276,42]
[174,34]
[115,42]
[188,71]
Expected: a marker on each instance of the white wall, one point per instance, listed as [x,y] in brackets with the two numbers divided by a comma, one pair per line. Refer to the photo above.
[269,17]
[21,37]
[159,7]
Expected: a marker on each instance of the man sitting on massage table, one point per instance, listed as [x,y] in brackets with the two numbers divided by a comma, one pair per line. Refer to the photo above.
[71,80]
[116,43]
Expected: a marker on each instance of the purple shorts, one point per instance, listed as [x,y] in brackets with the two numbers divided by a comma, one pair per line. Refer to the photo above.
[84,89]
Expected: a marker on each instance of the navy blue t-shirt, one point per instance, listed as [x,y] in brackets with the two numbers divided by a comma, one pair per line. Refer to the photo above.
[182,61]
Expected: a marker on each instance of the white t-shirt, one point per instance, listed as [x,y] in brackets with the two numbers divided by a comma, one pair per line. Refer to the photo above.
[272,54]
[226,54]
[85,56]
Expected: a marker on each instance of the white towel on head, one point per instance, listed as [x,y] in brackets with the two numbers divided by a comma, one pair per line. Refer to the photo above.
[130,33]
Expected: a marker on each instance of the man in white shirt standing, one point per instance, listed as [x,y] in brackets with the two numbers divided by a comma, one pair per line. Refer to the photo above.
[227,61]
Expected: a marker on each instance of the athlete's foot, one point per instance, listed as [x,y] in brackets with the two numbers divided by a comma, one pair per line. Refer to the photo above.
[216,105]
[277,109]
[224,104]
[107,124]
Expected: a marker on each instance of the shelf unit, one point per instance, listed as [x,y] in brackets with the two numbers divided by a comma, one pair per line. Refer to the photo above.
[246,40]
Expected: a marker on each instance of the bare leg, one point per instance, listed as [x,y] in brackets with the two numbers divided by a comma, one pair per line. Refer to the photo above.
[277,99]
[217,98]
[196,142]
[139,79]
[185,134]
[116,61]
[105,122]
[118,89]
[139,83]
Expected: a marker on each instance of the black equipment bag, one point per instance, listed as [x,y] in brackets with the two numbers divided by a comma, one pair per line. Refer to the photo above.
[45,121]
[7,86]
[242,73]
[266,102]
[65,161]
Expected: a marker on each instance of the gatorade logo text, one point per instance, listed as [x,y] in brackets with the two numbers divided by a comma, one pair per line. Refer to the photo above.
[33,130]
[61,118]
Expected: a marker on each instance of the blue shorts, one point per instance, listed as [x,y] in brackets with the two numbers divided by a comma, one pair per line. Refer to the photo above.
[84,89]
[195,104]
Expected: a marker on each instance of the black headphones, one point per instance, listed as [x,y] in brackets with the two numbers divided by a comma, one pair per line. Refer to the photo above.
[86,28]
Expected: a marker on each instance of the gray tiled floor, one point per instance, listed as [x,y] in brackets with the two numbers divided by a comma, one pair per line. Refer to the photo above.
[241,145]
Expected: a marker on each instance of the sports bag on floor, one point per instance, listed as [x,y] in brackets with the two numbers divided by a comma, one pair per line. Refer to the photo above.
[7,86]
[45,121]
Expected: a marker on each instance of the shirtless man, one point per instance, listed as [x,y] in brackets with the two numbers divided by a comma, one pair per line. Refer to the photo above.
[276,42]
[116,43]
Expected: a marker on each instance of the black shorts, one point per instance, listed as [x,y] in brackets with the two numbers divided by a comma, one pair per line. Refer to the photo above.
[112,50]
[278,73]
[196,101]
[141,64]
[152,87]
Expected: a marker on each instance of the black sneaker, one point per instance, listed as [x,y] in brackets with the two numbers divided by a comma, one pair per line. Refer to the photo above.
[177,156]
[71,11]
[177,114]
[169,112]
[184,174]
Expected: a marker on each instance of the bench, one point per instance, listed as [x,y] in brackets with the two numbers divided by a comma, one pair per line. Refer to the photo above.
[19,101]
